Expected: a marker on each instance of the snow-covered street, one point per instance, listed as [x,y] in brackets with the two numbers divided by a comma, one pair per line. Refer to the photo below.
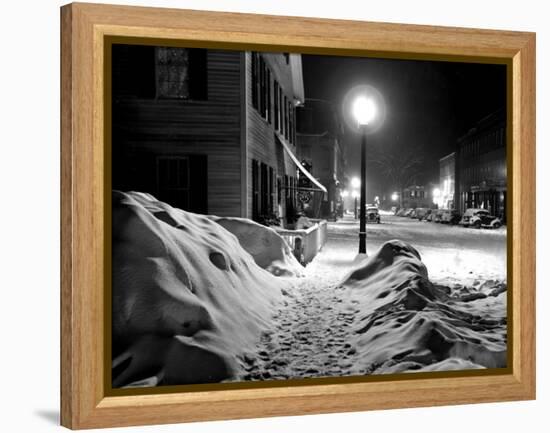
[316,329]
[452,254]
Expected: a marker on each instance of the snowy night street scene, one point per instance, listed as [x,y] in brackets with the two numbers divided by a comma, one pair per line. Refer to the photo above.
[321,326]
[284,216]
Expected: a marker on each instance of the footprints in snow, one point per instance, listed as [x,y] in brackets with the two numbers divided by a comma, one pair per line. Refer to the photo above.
[310,338]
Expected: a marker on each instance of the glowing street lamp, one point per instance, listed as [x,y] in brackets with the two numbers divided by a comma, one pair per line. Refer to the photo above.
[364,111]
[355,182]
[394,196]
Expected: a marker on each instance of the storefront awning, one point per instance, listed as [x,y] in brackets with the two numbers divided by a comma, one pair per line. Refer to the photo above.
[288,150]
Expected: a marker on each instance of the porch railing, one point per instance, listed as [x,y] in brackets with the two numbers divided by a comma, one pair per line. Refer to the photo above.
[306,243]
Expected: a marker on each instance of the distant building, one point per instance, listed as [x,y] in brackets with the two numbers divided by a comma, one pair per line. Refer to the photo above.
[417,196]
[319,147]
[209,131]
[447,175]
[481,166]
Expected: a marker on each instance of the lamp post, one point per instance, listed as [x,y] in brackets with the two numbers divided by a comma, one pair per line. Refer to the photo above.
[355,183]
[364,111]
[355,194]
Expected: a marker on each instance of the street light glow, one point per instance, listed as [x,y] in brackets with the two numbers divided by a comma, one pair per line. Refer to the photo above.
[355,182]
[355,194]
[394,196]
[364,110]
[437,197]
[344,194]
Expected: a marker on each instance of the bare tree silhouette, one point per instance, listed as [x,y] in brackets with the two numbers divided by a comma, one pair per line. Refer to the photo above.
[400,167]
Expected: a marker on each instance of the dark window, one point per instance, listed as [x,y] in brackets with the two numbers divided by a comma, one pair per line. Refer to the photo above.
[293,125]
[271,188]
[173,180]
[255,190]
[290,122]
[264,189]
[268,90]
[182,182]
[276,113]
[287,187]
[164,72]
[262,87]
[127,59]
[281,112]
[181,73]
[286,117]
[290,191]
[198,74]
[288,199]
[294,192]
[172,78]
[255,80]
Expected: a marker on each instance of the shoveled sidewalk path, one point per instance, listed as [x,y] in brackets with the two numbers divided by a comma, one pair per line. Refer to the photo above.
[312,328]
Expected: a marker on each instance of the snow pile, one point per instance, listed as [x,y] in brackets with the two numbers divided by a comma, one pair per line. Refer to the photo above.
[269,249]
[188,300]
[304,223]
[404,322]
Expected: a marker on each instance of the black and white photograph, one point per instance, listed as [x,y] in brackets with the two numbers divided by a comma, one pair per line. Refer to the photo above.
[283,216]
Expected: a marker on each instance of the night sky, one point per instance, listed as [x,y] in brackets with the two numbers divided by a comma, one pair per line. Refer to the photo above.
[428,104]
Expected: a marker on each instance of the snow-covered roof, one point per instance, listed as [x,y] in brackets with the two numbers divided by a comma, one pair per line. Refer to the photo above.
[297,77]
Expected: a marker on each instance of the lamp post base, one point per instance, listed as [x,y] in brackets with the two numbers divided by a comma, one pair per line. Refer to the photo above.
[362,243]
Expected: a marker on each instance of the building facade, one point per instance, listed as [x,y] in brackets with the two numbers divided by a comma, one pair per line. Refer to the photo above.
[417,196]
[320,148]
[209,131]
[481,166]
[447,175]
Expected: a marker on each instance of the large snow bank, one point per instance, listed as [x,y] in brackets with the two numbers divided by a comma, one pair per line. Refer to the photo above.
[188,300]
[406,323]
[269,249]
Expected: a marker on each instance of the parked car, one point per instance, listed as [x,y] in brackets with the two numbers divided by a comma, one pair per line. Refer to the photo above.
[479,218]
[449,216]
[430,217]
[373,216]
[401,212]
[421,213]
[437,215]
[394,210]
[409,213]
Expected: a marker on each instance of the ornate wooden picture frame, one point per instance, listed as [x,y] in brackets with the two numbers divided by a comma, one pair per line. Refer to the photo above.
[87,399]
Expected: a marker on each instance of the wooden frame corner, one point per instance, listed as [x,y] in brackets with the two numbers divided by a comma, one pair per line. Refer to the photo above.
[84,27]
